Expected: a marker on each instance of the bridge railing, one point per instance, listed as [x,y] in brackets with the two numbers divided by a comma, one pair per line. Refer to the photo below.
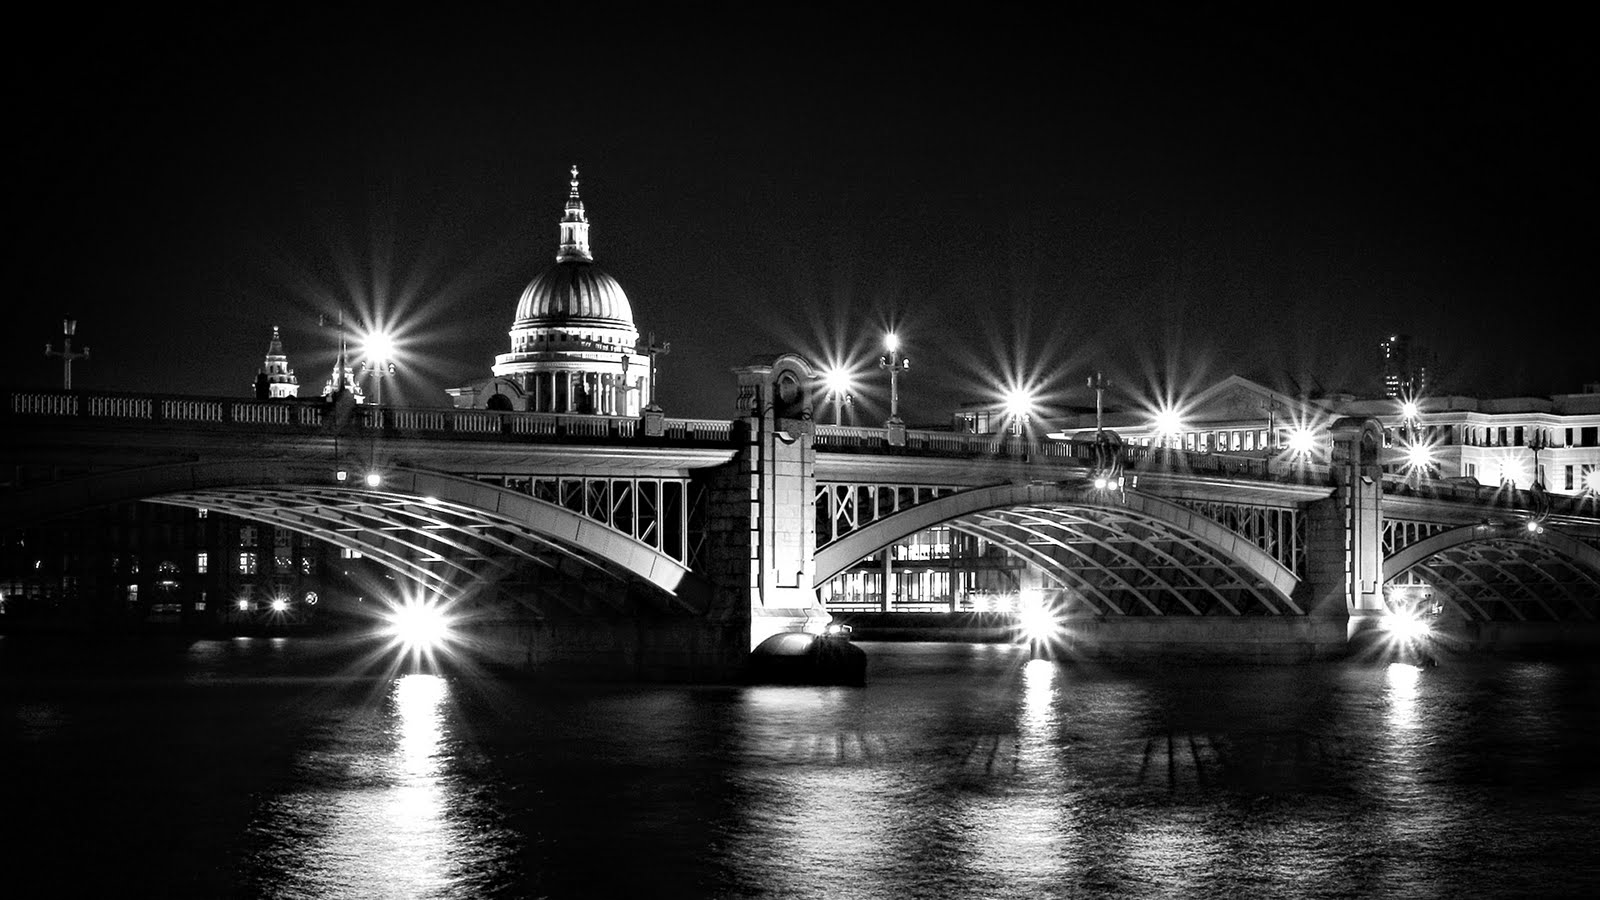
[1133,457]
[1508,497]
[309,413]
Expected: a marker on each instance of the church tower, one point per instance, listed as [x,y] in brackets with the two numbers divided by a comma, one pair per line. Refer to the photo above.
[276,381]
[343,377]
[574,347]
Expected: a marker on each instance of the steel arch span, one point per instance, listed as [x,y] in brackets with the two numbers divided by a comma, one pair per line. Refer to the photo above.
[434,529]
[1125,554]
[1505,573]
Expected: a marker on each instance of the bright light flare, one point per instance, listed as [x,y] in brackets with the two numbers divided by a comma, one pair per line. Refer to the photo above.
[379,346]
[1169,424]
[1036,620]
[280,605]
[1409,409]
[374,479]
[1301,440]
[1407,625]
[838,381]
[891,342]
[1419,456]
[1020,403]
[420,626]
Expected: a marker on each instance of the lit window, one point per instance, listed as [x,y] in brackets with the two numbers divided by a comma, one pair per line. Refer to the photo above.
[202,562]
[347,553]
[133,593]
[307,565]
[247,564]
[202,513]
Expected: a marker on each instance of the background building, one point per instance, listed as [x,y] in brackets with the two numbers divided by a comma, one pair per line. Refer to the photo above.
[574,347]
[1406,368]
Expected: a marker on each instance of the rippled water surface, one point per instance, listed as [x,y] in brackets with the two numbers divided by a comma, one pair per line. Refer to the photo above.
[295,768]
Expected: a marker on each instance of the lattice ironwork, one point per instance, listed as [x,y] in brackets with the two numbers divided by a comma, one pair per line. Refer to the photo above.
[1399,534]
[657,512]
[1506,580]
[1109,563]
[845,507]
[1279,531]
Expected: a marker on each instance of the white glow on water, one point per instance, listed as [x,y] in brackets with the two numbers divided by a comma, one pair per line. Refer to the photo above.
[1402,679]
[387,832]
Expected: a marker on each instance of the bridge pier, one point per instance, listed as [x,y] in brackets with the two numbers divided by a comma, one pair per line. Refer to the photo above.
[762,527]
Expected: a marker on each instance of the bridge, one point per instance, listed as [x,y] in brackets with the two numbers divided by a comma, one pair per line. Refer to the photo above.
[686,544]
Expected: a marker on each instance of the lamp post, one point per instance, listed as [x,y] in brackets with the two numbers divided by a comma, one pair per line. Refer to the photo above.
[379,348]
[1099,383]
[1536,442]
[896,364]
[69,327]
[837,382]
[1019,403]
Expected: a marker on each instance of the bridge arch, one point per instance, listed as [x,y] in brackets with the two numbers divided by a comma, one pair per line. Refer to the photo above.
[1040,512]
[436,530]
[1491,572]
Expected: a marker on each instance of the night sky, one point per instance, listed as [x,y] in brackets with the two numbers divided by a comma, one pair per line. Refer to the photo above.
[1171,199]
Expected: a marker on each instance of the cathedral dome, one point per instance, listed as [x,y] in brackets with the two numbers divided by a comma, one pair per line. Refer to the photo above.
[573,294]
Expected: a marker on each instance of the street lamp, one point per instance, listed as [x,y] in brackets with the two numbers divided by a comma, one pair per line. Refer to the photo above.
[69,327]
[1169,427]
[896,364]
[1536,442]
[378,350]
[837,382]
[1019,403]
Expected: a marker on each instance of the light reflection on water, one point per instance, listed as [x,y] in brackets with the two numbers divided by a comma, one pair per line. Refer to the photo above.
[381,808]
[960,771]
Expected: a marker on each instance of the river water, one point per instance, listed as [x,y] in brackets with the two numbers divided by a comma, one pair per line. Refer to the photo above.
[311,768]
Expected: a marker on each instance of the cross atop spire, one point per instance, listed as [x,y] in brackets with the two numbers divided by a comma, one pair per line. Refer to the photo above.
[574,228]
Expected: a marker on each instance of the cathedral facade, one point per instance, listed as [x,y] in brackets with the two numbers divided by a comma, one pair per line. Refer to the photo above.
[574,346]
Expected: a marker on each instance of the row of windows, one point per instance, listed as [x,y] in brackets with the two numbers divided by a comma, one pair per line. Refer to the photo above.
[248,562]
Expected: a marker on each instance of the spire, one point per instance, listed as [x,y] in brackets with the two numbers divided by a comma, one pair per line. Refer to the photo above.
[574,228]
[280,380]
[343,378]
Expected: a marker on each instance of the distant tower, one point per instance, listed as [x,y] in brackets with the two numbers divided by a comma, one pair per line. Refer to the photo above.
[1404,367]
[276,378]
[343,377]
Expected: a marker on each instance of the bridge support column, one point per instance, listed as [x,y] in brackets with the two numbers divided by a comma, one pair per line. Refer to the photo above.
[763,526]
[1344,539]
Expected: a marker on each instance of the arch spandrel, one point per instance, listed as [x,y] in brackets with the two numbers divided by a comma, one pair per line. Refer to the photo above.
[482,520]
[1265,572]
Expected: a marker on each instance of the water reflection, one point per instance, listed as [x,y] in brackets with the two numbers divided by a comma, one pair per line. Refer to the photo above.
[383,827]
[957,773]
[1402,679]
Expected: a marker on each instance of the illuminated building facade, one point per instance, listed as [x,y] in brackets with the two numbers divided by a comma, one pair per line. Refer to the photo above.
[276,380]
[1470,440]
[574,347]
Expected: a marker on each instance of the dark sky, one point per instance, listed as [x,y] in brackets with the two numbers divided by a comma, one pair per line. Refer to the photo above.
[1171,198]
